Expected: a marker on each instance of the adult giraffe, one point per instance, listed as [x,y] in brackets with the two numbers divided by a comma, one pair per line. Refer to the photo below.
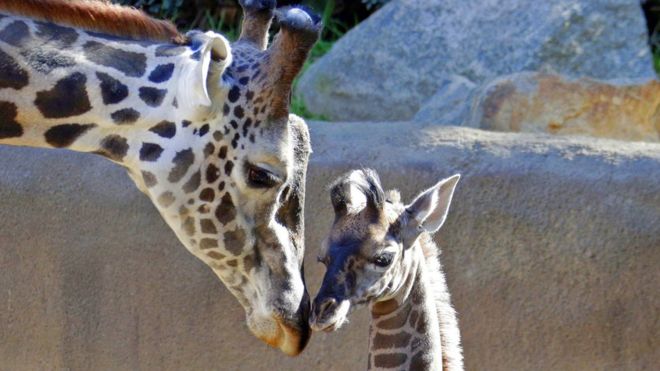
[202,126]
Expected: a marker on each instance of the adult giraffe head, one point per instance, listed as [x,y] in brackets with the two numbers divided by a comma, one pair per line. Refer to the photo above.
[201,125]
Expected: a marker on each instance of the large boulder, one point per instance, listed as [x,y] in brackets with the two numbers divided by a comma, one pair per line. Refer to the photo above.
[551,251]
[546,103]
[386,67]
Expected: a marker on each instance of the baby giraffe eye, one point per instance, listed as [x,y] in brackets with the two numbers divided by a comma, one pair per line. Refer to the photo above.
[383,260]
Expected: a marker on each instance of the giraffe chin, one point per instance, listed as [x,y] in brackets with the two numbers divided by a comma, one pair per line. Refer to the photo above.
[289,338]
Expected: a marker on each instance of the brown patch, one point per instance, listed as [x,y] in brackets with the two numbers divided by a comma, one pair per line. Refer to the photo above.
[390,360]
[208,226]
[232,263]
[397,321]
[166,199]
[399,340]
[235,240]
[226,212]
[208,243]
[215,255]
[100,16]
[248,263]
[381,308]
[207,195]
[189,226]
[420,361]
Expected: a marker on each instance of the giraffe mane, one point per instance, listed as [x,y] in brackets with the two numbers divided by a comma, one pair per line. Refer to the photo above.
[451,351]
[97,15]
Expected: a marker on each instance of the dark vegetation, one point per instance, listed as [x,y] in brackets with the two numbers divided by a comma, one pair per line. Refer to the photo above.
[652,12]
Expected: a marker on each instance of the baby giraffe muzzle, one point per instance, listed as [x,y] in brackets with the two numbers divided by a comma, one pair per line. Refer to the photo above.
[380,252]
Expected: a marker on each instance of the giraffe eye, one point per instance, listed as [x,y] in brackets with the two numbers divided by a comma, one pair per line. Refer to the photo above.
[383,260]
[261,178]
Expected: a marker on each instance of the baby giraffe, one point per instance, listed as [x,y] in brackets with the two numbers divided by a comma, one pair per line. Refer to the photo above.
[381,252]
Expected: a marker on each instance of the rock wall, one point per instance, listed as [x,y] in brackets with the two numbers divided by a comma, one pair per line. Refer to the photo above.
[551,251]
[547,103]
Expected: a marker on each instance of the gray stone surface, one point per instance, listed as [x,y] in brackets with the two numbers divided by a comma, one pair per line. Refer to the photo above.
[551,250]
[388,66]
[450,105]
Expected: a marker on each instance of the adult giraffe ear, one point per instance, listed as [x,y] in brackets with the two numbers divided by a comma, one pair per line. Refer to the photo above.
[211,55]
[428,212]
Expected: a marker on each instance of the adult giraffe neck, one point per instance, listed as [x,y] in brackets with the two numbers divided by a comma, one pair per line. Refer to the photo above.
[63,87]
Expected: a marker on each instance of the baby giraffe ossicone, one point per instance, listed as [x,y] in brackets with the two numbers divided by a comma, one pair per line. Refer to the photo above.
[380,252]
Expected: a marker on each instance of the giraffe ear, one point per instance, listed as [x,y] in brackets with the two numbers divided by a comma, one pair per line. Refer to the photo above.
[211,55]
[428,212]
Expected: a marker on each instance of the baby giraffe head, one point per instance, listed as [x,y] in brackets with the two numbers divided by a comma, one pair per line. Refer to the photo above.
[368,253]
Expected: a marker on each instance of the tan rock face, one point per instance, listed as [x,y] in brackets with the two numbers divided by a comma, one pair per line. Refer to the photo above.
[531,102]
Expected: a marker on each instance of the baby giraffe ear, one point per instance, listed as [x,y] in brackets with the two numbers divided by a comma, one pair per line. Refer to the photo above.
[211,55]
[429,210]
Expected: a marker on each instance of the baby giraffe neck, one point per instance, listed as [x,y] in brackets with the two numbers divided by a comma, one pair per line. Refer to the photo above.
[405,331]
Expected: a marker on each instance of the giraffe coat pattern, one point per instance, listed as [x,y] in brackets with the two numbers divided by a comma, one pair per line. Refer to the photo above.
[201,126]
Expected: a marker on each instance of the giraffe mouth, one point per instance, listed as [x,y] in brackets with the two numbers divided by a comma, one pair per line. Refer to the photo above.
[329,316]
[289,337]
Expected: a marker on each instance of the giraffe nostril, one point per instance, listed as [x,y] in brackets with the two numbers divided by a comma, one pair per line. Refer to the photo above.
[324,306]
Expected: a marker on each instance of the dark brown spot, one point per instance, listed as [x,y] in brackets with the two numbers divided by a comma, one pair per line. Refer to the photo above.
[193,183]
[112,90]
[229,166]
[207,195]
[182,161]
[114,147]
[238,112]
[226,212]
[9,128]
[215,255]
[165,129]
[399,340]
[223,152]
[398,321]
[422,361]
[208,243]
[235,240]
[212,173]
[153,97]
[150,152]
[209,149]
[67,98]
[232,263]
[64,135]
[208,226]
[125,116]
[12,75]
[130,63]
[149,179]
[391,360]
